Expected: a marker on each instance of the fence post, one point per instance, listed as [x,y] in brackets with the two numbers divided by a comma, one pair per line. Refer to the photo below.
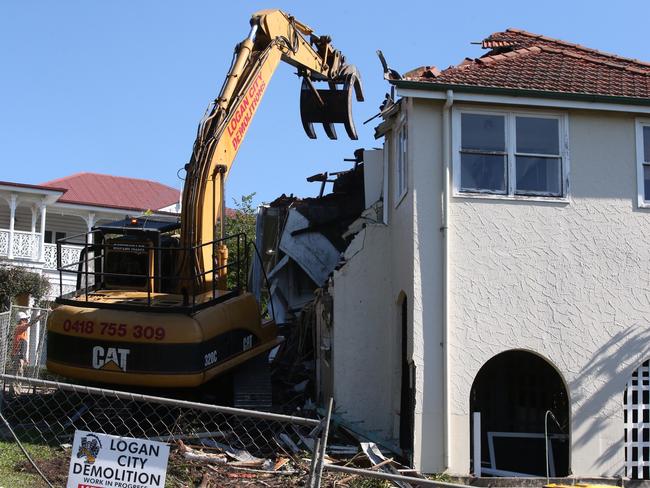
[323,446]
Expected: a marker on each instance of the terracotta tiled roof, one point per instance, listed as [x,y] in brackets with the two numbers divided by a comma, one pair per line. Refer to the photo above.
[115,191]
[521,60]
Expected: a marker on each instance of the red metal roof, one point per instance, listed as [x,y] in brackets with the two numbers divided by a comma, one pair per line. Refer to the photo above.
[115,191]
[521,60]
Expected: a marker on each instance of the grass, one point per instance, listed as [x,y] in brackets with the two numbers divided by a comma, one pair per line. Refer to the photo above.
[369,483]
[11,455]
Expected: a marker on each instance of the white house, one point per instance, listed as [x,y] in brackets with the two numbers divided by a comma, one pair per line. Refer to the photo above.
[510,274]
[34,217]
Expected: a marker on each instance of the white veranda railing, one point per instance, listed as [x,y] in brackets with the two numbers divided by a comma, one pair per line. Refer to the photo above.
[69,254]
[4,242]
[25,244]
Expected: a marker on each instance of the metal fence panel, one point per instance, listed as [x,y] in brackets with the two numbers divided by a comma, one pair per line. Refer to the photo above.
[28,359]
[5,338]
[48,413]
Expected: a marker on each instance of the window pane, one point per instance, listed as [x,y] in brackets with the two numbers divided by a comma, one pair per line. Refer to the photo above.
[646,182]
[538,136]
[538,175]
[484,132]
[646,144]
[483,172]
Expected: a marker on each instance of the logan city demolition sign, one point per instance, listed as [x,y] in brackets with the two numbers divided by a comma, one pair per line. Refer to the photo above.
[101,461]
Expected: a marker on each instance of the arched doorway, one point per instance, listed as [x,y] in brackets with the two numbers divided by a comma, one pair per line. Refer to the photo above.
[407,385]
[512,393]
[636,417]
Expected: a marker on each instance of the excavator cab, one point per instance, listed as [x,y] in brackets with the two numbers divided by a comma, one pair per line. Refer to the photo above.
[138,254]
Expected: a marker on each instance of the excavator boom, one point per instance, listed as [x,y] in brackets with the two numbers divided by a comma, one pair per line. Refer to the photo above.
[274,36]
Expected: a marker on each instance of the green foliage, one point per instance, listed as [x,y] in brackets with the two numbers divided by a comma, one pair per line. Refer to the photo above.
[443,477]
[15,281]
[369,483]
[242,218]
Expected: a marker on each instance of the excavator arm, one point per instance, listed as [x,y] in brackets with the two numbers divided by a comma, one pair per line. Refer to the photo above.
[275,36]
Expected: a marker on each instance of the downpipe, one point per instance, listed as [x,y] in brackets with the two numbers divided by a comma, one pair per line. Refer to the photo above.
[446,158]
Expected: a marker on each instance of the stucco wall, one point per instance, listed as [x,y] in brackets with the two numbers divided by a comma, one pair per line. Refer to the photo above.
[425,184]
[361,335]
[570,281]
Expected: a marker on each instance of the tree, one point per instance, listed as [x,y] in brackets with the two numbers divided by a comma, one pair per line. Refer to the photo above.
[240,220]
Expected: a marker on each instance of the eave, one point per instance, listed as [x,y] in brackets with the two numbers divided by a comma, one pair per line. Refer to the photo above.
[409,88]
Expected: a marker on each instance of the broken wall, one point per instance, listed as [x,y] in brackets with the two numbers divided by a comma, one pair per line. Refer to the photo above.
[363,338]
[386,264]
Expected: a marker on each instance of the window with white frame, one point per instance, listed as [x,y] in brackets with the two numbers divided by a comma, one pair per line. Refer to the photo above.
[643,161]
[401,181]
[509,153]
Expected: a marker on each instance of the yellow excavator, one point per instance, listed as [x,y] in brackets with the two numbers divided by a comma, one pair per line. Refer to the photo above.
[160,303]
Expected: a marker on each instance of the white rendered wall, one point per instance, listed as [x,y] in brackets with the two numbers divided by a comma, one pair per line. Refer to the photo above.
[361,336]
[426,239]
[569,281]
[401,259]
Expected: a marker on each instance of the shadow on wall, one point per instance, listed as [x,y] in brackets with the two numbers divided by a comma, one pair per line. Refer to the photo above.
[604,379]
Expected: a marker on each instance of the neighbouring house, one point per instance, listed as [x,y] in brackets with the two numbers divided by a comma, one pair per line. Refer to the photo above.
[34,217]
[505,289]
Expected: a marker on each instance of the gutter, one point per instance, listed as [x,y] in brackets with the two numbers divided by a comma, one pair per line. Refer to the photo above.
[446,159]
[518,92]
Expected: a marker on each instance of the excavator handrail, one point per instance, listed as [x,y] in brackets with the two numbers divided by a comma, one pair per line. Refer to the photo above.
[80,268]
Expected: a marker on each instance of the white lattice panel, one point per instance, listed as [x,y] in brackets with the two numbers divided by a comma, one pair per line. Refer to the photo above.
[25,244]
[4,242]
[69,254]
[636,416]
[49,256]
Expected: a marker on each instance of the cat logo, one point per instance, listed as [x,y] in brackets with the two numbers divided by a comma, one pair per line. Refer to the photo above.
[110,358]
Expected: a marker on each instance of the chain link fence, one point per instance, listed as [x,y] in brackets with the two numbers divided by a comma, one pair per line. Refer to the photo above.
[211,445]
[45,415]
[22,341]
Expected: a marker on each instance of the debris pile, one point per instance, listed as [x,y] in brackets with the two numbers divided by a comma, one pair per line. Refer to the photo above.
[301,242]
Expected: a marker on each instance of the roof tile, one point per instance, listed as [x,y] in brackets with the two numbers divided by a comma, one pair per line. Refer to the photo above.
[521,60]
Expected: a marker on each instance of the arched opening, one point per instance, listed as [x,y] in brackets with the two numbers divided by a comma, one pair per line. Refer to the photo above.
[636,417]
[511,394]
[407,383]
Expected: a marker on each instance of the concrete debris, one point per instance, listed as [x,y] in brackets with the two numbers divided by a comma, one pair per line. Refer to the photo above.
[378,460]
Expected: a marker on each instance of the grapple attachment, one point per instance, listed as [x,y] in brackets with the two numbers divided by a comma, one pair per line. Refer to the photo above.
[330,106]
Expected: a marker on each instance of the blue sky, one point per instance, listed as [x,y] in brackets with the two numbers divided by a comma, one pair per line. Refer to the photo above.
[119,86]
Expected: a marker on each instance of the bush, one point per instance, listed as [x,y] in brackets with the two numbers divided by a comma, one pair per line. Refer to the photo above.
[16,281]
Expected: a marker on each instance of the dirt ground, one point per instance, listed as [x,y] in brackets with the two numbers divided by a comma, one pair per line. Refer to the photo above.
[182,473]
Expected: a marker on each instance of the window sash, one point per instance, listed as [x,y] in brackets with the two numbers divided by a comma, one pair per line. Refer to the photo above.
[511,154]
[505,175]
[643,164]
[548,192]
[401,181]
